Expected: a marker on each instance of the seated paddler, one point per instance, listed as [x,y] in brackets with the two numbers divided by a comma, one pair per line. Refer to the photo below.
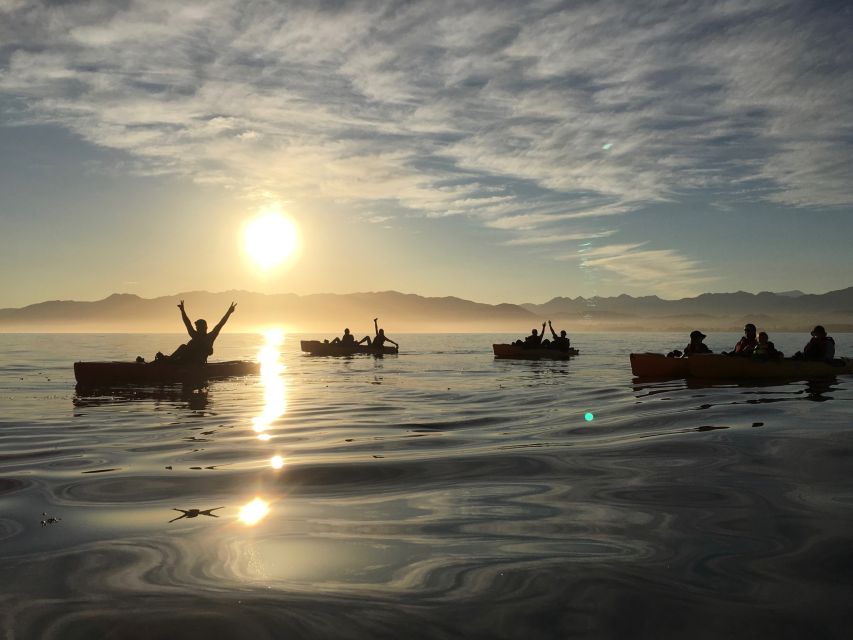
[821,347]
[200,346]
[559,342]
[696,345]
[346,340]
[379,339]
[533,341]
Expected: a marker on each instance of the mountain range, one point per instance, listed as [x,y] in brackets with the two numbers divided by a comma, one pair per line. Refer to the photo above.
[399,312]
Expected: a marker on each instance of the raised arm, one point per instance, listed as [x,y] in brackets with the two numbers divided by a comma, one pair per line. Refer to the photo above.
[553,333]
[222,322]
[187,323]
[376,326]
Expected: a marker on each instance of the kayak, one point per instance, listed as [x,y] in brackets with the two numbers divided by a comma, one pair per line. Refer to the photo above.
[111,373]
[317,348]
[711,366]
[737,367]
[520,353]
[657,365]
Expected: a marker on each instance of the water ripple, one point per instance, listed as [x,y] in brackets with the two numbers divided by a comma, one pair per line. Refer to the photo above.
[437,494]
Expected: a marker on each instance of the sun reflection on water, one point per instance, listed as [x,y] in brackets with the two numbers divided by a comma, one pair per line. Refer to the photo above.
[255,511]
[275,395]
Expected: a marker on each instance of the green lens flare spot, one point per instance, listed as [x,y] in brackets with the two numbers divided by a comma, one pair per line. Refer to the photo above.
[588,416]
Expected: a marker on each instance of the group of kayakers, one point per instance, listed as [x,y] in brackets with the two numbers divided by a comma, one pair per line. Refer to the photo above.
[757,344]
[200,345]
[753,343]
[537,340]
[377,342]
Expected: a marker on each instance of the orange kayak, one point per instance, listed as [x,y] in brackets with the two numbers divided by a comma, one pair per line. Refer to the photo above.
[657,365]
[736,367]
[718,366]
[317,348]
[520,353]
[114,373]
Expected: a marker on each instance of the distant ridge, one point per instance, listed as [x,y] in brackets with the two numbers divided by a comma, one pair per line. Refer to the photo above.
[330,313]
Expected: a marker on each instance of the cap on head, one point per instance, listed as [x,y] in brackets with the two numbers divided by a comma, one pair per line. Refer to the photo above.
[201,325]
[819,331]
[697,335]
[762,334]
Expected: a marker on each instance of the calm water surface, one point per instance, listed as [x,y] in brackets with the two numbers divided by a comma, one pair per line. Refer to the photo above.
[438,493]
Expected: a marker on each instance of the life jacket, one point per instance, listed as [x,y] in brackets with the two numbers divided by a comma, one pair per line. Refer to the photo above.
[745,345]
[699,347]
[820,348]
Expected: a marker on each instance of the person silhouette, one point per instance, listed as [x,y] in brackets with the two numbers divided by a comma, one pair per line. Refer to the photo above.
[379,340]
[347,340]
[200,345]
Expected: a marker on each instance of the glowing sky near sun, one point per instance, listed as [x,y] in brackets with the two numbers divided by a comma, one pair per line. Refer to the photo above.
[493,151]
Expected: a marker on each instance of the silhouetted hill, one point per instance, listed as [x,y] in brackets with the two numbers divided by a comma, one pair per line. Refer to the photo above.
[709,310]
[330,313]
[319,312]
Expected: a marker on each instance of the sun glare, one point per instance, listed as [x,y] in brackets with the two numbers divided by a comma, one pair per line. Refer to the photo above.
[254,512]
[270,238]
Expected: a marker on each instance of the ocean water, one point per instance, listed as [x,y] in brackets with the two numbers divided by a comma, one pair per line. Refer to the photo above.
[439,493]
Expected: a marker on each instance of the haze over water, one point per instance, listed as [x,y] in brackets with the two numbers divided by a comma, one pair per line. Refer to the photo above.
[438,493]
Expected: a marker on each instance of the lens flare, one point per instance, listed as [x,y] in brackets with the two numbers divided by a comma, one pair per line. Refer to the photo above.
[277,462]
[588,416]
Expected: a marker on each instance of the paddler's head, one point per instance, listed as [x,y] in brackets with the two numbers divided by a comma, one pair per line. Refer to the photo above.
[201,326]
[749,330]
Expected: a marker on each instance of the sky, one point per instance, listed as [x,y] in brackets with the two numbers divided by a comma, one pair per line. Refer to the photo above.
[495,151]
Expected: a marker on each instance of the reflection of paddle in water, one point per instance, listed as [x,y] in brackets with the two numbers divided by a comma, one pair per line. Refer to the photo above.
[194,513]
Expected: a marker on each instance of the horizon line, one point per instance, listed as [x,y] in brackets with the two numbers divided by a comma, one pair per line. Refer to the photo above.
[394,291]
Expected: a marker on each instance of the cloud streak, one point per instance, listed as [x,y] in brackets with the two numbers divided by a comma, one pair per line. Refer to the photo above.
[632,264]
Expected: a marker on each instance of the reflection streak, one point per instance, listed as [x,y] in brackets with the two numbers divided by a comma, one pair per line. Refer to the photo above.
[275,393]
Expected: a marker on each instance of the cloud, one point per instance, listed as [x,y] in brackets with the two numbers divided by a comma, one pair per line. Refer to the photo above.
[661,271]
[530,117]
[558,239]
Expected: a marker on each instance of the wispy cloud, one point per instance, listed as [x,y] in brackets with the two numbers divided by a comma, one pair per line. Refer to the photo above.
[545,239]
[659,270]
[531,117]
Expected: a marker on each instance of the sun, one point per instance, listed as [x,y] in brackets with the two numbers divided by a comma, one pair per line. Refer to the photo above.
[270,238]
